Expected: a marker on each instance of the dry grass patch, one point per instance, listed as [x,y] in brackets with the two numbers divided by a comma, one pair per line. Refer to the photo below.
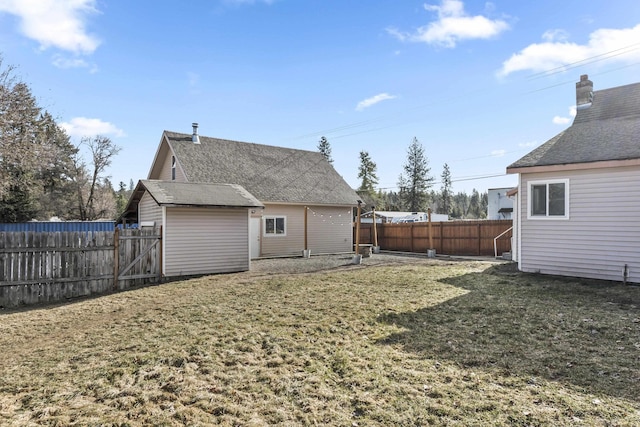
[427,343]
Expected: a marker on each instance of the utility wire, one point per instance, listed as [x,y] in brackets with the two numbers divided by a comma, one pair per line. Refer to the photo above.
[466,95]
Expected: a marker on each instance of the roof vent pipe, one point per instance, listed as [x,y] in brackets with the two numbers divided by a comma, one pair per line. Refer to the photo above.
[195,138]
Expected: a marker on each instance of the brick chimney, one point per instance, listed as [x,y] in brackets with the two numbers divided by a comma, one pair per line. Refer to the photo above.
[584,92]
[195,138]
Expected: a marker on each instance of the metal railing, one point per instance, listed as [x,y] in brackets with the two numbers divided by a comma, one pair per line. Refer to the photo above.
[495,240]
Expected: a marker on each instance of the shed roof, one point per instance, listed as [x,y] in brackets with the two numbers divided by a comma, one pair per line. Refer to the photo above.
[172,193]
[271,174]
[200,194]
[609,129]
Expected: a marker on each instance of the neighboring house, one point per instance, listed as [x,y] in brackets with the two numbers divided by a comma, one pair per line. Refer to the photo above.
[396,217]
[578,200]
[307,204]
[499,204]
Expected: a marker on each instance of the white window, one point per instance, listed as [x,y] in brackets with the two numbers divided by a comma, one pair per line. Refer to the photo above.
[548,199]
[275,225]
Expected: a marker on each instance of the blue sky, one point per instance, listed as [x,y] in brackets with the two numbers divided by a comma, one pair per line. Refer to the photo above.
[478,83]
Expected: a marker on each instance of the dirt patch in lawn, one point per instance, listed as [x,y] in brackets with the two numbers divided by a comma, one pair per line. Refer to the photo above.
[411,341]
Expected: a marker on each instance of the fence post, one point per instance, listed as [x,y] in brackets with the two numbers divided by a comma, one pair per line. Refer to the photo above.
[116,257]
[479,239]
[411,235]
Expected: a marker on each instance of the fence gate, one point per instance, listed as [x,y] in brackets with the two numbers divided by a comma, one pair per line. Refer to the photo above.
[138,257]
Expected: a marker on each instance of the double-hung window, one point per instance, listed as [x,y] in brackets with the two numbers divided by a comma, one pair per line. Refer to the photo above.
[275,226]
[549,199]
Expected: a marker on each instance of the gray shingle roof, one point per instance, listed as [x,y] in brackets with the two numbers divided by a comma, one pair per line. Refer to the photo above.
[271,174]
[607,130]
[198,194]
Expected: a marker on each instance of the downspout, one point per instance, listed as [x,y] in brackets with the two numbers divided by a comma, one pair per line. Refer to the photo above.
[163,230]
[519,219]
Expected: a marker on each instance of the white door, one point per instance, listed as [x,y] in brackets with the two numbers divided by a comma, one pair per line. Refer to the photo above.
[254,237]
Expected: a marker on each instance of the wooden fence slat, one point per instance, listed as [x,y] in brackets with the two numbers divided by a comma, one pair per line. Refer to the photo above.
[454,237]
[37,267]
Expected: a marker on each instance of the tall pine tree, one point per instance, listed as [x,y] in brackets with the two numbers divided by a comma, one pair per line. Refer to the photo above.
[445,204]
[325,149]
[367,174]
[415,181]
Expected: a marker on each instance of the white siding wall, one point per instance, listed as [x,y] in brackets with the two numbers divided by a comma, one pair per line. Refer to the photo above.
[601,235]
[293,242]
[203,241]
[165,171]
[330,229]
[148,210]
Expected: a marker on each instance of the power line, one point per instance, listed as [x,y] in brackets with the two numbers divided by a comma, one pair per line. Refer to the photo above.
[461,179]
[466,95]
[590,60]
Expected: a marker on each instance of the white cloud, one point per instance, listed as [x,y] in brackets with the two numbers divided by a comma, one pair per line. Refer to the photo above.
[64,63]
[83,126]
[498,153]
[555,36]
[556,51]
[57,23]
[558,120]
[452,26]
[373,100]
[528,144]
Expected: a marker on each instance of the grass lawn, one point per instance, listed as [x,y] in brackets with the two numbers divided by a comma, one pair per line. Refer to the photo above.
[427,343]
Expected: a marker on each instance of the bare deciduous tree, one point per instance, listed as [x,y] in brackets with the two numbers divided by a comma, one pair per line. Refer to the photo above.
[90,180]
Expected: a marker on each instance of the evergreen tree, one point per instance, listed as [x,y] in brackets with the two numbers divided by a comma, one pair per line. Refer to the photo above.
[444,206]
[367,174]
[415,182]
[34,154]
[474,210]
[122,197]
[325,149]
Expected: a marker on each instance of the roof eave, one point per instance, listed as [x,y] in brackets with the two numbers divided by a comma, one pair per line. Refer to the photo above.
[573,166]
[192,205]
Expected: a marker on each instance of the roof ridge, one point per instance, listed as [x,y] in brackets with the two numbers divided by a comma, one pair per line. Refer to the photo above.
[188,135]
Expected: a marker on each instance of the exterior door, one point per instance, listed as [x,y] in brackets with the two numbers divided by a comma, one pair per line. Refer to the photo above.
[254,237]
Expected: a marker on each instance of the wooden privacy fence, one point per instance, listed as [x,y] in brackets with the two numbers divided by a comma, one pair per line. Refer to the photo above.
[473,238]
[39,267]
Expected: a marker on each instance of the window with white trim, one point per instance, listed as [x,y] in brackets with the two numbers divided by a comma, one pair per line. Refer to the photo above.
[173,168]
[275,225]
[549,199]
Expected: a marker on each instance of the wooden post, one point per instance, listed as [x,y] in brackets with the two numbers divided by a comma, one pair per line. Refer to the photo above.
[160,256]
[306,222]
[358,229]
[479,240]
[375,230]
[430,233]
[411,235]
[116,257]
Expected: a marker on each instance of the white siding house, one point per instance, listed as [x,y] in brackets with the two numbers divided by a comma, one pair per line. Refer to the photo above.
[499,204]
[304,204]
[578,199]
